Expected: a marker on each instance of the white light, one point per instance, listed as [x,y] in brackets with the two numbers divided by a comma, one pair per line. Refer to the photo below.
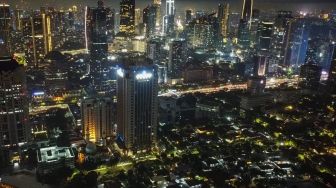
[120,72]
[144,75]
[112,57]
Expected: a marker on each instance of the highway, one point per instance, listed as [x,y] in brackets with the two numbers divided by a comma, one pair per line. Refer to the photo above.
[270,83]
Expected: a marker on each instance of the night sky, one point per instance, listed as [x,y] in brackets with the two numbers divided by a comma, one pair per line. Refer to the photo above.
[184,4]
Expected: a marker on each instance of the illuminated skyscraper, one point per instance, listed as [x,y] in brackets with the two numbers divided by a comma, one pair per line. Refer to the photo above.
[150,20]
[265,33]
[137,106]
[247,11]
[280,32]
[37,38]
[13,102]
[5,24]
[127,17]
[223,18]
[96,31]
[332,72]
[137,16]
[98,118]
[46,26]
[177,57]
[168,20]
[158,22]
[245,24]
[188,16]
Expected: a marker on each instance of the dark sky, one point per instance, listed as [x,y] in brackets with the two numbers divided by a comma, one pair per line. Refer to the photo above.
[184,4]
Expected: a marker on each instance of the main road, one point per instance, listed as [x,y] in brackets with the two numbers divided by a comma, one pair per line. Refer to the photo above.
[270,83]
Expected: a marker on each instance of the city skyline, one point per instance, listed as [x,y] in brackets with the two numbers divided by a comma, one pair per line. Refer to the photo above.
[309,5]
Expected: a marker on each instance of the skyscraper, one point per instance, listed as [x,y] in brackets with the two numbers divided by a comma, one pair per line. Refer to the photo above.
[223,18]
[127,17]
[265,32]
[150,20]
[35,41]
[332,72]
[137,106]
[169,18]
[188,16]
[158,22]
[245,24]
[177,57]
[13,102]
[247,11]
[98,118]
[96,39]
[5,24]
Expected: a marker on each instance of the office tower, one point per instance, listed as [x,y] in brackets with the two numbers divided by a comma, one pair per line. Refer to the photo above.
[46,27]
[296,43]
[243,34]
[280,32]
[96,40]
[127,17]
[245,24]
[265,32]
[262,62]
[110,24]
[188,16]
[5,25]
[34,40]
[18,15]
[154,50]
[137,106]
[332,72]
[170,7]
[310,75]
[158,22]
[320,43]
[96,30]
[150,20]
[169,18]
[13,102]
[177,57]
[247,12]
[137,16]
[223,18]
[98,118]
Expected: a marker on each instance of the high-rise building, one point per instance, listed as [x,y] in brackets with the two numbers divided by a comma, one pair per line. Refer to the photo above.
[150,20]
[310,75]
[332,72]
[137,16]
[13,102]
[98,118]
[96,32]
[223,18]
[18,14]
[158,22]
[5,24]
[169,18]
[47,33]
[177,57]
[296,43]
[265,33]
[155,50]
[137,106]
[244,39]
[188,16]
[247,12]
[280,32]
[36,40]
[127,17]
